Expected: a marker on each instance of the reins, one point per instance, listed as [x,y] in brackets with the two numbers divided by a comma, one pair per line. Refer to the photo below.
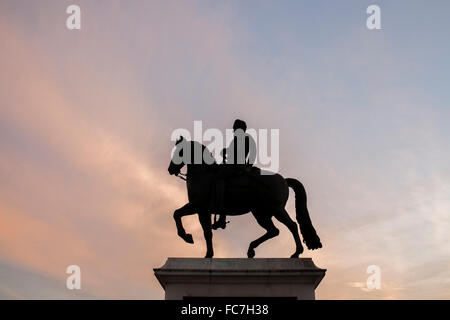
[182,176]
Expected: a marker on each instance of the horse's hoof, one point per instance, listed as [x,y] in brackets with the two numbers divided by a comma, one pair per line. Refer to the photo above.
[186,237]
[209,255]
[251,253]
[295,255]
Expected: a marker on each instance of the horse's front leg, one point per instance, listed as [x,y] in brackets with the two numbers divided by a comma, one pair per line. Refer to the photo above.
[185,210]
[205,221]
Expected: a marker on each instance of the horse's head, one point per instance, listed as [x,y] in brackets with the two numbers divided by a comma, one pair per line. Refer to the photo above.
[176,163]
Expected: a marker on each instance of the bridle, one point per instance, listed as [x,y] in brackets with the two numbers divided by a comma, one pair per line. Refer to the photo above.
[182,176]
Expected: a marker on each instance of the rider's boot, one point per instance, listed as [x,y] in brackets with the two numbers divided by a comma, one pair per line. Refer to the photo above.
[221,223]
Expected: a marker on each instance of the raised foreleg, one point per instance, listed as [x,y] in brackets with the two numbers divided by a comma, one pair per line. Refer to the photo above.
[186,210]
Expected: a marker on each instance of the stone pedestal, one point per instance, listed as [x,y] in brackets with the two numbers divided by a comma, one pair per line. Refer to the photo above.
[184,278]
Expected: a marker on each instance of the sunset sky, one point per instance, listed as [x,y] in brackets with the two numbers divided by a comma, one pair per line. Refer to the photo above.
[86,118]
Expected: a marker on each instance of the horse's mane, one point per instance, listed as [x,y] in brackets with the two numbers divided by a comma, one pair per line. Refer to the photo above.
[196,143]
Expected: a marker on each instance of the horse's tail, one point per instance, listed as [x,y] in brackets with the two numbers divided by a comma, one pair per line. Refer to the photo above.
[310,237]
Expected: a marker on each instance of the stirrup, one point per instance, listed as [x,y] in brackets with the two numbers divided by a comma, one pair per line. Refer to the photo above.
[219,224]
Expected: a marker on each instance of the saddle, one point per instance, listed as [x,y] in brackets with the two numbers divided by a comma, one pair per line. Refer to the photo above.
[244,178]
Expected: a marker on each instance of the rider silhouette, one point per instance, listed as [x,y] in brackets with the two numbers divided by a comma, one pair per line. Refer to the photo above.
[240,154]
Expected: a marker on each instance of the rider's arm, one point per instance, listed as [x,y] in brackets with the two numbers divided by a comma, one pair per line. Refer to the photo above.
[230,150]
[250,149]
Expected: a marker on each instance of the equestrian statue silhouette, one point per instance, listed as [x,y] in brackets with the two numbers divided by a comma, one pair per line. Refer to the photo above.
[247,190]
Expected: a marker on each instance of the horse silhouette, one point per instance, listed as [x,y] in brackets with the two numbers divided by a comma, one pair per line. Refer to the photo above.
[264,195]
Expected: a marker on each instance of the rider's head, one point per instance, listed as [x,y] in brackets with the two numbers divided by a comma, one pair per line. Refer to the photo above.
[239,124]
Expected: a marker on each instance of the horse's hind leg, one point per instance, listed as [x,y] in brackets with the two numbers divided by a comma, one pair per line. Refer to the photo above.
[285,219]
[266,222]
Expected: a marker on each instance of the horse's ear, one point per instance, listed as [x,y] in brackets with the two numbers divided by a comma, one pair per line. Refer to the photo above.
[179,140]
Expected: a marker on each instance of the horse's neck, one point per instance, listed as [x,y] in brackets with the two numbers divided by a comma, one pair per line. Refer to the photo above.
[202,168]
[195,169]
